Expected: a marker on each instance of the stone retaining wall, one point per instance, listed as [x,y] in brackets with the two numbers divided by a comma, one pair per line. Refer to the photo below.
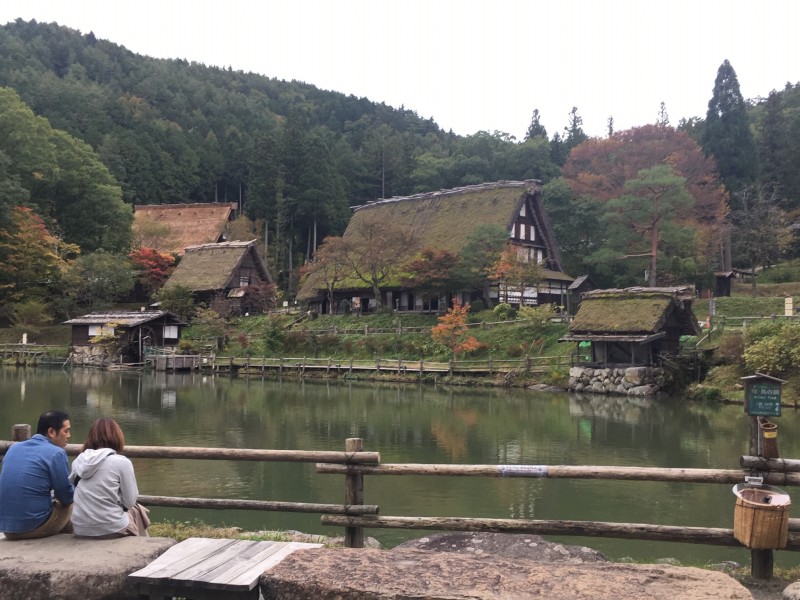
[630,381]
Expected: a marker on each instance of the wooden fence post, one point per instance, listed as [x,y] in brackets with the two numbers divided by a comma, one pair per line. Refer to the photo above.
[527,364]
[20,432]
[354,494]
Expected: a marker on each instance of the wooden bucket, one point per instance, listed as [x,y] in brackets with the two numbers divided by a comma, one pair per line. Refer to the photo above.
[761,516]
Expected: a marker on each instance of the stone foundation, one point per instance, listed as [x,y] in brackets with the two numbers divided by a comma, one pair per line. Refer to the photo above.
[628,381]
[90,356]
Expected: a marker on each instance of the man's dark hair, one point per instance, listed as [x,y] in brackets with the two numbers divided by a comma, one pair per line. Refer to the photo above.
[54,419]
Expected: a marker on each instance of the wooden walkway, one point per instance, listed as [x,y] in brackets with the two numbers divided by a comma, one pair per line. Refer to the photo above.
[203,568]
[331,366]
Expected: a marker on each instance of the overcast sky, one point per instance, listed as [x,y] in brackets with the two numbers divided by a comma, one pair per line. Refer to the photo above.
[471,65]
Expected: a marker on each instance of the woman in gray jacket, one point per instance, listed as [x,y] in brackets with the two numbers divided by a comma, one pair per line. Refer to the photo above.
[105,487]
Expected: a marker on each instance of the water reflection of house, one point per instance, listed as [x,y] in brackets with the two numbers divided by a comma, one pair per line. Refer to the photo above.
[633,326]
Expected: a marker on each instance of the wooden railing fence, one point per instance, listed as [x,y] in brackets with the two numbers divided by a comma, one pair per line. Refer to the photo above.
[354,515]
[251,364]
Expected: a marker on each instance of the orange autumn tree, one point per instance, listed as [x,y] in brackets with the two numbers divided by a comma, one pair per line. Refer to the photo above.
[515,274]
[452,330]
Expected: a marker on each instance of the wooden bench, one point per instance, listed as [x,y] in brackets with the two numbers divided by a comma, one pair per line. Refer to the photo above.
[206,569]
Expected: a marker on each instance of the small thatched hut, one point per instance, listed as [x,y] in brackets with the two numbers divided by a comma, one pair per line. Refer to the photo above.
[443,220]
[632,326]
[226,270]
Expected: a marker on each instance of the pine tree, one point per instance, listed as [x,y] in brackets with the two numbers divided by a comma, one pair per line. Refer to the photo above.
[727,136]
[536,129]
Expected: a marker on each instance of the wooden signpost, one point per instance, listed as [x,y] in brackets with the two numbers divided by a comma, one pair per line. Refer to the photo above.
[762,398]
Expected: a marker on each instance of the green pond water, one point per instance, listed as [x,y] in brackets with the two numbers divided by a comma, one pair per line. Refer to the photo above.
[413,424]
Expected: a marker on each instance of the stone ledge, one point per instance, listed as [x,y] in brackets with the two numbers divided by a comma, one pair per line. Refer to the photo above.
[352,574]
[63,567]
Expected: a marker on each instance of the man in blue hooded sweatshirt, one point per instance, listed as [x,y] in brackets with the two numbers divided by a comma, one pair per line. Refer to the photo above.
[35,491]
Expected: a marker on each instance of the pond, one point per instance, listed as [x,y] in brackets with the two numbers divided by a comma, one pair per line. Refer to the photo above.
[413,424]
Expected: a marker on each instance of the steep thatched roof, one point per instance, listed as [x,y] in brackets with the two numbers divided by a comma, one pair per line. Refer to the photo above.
[188,224]
[634,311]
[444,220]
[210,267]
[124,318]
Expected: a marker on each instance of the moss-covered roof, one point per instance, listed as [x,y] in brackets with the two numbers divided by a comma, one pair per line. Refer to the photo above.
[210,266]
[444,220]
[633,311]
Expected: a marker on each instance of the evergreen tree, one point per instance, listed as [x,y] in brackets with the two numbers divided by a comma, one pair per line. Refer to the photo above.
[535,129]
[772,143]
[727,134]
[573,132]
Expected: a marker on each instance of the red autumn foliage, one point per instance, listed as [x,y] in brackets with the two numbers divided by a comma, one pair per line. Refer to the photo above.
[154,267]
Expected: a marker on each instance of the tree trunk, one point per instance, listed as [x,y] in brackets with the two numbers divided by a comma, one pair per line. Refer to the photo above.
[377,292]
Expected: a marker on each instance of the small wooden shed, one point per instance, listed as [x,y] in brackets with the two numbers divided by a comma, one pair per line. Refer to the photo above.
[632,326]
[132,333]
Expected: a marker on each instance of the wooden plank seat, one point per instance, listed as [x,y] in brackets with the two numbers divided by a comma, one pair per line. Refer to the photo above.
[206,569]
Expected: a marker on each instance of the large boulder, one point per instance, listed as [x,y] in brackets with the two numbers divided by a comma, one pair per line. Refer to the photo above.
[356,574]
[63,567]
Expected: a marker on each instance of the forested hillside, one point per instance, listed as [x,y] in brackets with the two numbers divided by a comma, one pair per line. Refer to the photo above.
[88,129]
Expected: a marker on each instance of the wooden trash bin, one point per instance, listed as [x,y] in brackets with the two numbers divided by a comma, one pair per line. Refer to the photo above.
[761,516]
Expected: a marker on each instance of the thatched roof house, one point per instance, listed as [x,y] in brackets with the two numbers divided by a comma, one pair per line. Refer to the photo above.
[443,220]
[226,269]
[633,326]
[173,227]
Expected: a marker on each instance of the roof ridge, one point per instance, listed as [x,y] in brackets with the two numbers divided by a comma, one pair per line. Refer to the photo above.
[450,192]
[231,244]
[232,205]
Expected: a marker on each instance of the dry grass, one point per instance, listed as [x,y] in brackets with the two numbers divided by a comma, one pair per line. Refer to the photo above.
[181,530]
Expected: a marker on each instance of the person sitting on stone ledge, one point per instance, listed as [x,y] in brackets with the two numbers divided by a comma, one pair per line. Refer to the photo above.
[105,487]
[35,491]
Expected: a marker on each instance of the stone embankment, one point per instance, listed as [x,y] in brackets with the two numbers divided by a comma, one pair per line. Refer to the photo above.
[630,381]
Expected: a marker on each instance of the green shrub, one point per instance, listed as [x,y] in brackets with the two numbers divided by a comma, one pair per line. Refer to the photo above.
[776,355]
[477,306]
[328,344]
[504,312]
[703,393]
[29,313]
[556,378]
[730,349]
[515,350]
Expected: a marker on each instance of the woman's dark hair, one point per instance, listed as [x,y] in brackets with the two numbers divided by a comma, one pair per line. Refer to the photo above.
[54,419]
[105,433]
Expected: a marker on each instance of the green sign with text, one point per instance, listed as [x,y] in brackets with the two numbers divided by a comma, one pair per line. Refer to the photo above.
[764,399]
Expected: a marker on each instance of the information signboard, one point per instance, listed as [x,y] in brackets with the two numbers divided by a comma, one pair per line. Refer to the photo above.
[763,398]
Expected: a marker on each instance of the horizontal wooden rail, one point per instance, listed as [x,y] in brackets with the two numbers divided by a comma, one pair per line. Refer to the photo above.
[637,531]
[759,463]
[729,476]
[263,505]
[305,456]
